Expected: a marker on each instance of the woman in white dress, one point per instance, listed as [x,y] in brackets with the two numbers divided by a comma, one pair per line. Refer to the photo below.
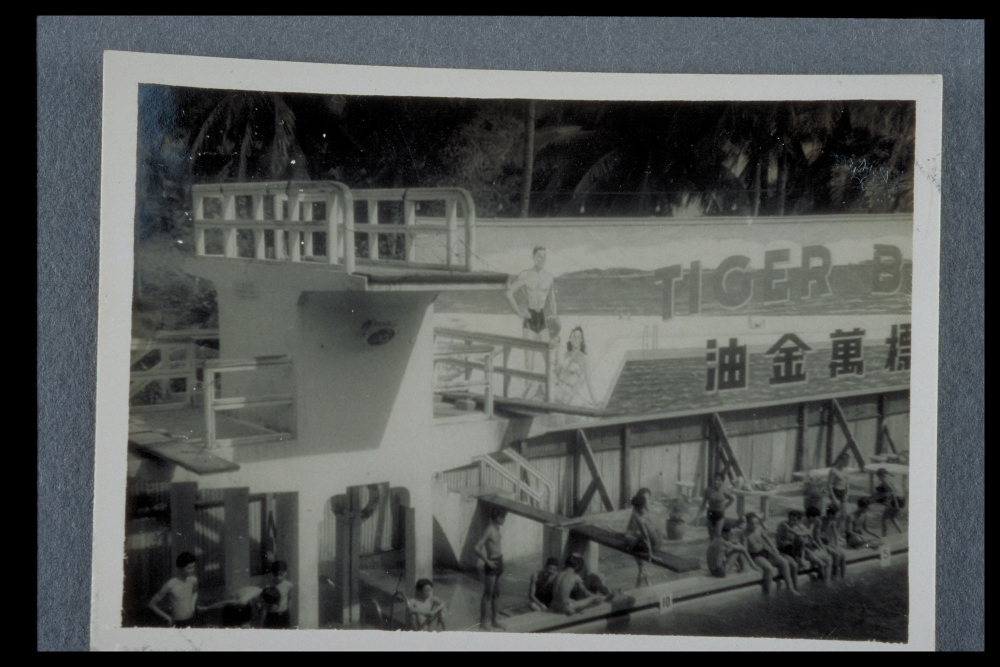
[573,373]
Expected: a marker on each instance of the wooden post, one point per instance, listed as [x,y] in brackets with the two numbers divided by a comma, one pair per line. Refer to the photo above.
[576,474]
[199,240]
[182,534]
[829,434]
[236,541]
[410,547]
[800,437]
[372,220]
[626,470]
[550,374]
[488,396]
[451,218]
[880,424]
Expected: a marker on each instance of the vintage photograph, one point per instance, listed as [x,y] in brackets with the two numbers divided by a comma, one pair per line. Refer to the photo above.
[520,365]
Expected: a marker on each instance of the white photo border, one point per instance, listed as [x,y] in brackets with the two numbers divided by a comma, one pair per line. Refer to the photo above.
[125,71]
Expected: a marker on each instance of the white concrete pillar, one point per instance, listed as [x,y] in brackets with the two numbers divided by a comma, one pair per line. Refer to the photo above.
[310,516]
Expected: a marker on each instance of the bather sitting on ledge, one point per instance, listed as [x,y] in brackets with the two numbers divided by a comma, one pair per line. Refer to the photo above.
[569,592]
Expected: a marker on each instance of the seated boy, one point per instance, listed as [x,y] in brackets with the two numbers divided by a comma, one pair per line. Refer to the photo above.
[795,539]
[766,556]
[858,534]
[278,615]
[726,554]
[569,594]
[828,534]
[182,592]
[885,494]
[424,611]
[540,585]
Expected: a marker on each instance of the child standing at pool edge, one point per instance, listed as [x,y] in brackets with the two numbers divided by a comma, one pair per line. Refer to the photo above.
[490,552]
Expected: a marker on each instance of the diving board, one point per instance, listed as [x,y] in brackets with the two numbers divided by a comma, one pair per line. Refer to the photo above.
[616,541]
[589,531]
[529,512]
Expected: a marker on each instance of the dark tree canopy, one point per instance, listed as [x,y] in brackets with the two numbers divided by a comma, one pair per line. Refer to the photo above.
[614,158]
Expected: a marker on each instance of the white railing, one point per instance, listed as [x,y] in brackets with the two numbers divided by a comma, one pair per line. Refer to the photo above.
[302,221]
[505,345]
[459,355]
[531,476]
[178,360]
[212,404]
[493,474]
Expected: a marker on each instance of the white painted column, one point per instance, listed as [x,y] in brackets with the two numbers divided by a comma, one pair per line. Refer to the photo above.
[310,516]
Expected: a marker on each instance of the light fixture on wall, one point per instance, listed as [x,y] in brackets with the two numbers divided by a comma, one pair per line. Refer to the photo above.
[377,333]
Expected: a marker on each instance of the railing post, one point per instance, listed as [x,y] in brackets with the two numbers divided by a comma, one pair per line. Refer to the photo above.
[199,239]
[470,236]
[208,389]
[295,240]
[410,219]
[332,218]
[349,258]
[488,398]
[258,243]
[230,247]
[506,365]
[451,216]
[372,237]
[550,371]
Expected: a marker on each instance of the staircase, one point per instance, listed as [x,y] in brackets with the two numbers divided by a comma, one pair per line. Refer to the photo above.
[508,473]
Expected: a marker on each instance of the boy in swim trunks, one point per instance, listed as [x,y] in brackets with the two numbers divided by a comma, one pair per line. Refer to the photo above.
[537,284]
[885,494]
[569,594]
[725,555]
[794,539]
[425,611]
[540,585]
[828,534]
[837,482]
[718,499]
[182,591]
[763,552]
[490,552]
[278,615]
[858,534]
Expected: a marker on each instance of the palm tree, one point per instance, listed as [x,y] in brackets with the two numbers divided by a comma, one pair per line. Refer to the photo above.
[249,136]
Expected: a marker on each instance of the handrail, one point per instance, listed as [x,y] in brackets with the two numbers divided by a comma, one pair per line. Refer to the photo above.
[445,357]
[523,464]
[213,404]
[519,485]
[505,345]
[290,215]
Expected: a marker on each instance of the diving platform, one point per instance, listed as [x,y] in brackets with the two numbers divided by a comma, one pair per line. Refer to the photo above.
[408,239]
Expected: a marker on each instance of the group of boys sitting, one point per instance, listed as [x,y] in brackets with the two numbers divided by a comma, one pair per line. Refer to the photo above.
[813,539]
[569,590]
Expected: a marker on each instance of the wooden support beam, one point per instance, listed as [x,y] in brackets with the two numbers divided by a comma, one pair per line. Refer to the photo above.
[800,437]
[880,424]
[625,467]
[837,414]
[598,481]
[828,454]
[722,439]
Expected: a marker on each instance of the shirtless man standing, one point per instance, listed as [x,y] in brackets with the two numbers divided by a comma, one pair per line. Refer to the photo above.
[537,285]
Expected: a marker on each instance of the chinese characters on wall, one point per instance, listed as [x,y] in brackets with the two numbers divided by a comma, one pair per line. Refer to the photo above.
[728,367]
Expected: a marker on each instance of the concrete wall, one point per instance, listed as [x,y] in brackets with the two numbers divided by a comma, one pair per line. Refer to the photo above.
[459,523]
